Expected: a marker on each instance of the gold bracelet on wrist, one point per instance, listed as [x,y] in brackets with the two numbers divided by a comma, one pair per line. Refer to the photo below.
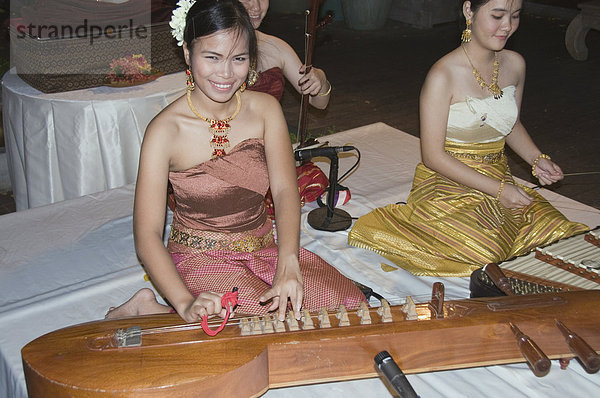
[500,190]
[535,162]
[325,94]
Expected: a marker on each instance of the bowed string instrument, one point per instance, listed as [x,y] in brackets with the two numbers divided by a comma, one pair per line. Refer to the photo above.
[311,24]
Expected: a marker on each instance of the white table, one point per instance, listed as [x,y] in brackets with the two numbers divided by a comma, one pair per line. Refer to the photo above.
[68,262]
[65,145]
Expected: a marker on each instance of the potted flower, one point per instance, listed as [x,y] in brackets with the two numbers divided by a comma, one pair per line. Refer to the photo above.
[131,70]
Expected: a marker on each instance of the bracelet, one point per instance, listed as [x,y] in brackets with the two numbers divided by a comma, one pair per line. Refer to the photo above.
[535,162]
[500,190]
[326,93]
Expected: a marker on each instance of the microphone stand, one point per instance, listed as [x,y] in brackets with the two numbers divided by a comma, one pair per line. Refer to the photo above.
[329,218]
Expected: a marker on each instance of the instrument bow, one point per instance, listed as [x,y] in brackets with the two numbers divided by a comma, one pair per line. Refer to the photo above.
[310,28]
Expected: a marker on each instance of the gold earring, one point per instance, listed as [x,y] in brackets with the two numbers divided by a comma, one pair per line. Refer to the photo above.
[252,75]
[190,80]
[466,34]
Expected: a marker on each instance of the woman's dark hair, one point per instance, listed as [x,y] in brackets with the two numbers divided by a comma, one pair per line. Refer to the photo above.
[475,4]
[210,16]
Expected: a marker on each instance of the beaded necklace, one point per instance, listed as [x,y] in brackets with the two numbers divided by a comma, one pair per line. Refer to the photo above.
[493,86]
[218,128]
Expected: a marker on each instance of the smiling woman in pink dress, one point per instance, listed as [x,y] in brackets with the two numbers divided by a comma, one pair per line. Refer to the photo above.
[221,147]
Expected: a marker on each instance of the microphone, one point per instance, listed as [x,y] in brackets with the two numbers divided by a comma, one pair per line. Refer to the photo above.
[328,151]
[394,375]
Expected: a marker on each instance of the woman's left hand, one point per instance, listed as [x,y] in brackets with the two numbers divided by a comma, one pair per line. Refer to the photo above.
[286,284]
[548,172]
[313,82]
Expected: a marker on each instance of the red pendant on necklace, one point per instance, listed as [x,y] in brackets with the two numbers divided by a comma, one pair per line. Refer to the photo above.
[219,130]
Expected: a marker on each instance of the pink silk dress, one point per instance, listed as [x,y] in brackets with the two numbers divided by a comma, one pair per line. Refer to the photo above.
[270,81]
[221,237]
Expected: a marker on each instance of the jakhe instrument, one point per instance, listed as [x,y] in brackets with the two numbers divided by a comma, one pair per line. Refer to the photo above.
[156,356]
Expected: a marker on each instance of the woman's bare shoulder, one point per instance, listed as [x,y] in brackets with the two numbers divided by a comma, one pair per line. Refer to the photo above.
[513,60]
[165,126]
[271,40]
[446,79]
[261,102]
[512,56]
[443,70]
[274,51]
[512,68]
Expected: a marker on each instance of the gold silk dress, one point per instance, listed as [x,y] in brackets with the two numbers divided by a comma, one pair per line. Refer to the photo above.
[448,229]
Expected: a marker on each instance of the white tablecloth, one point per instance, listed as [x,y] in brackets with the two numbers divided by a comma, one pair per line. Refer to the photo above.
[68,262]
[65,145]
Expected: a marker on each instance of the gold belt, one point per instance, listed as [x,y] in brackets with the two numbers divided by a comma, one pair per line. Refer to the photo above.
[207,240]
[489,158]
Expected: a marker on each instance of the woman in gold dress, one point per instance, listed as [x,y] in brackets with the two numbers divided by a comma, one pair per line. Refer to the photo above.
[465,209]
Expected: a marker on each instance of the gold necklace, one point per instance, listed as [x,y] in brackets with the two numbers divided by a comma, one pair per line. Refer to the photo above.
[218,128]
[493,86]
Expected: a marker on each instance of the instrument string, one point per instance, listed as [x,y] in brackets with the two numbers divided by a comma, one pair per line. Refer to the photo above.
[574,174]
[190,326]
[557,203]
[583,173]
[418,299]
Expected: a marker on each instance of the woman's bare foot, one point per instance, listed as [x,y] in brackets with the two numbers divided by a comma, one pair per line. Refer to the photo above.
[143,302]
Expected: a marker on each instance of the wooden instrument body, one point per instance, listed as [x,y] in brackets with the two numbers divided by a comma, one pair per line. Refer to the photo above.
[81,361]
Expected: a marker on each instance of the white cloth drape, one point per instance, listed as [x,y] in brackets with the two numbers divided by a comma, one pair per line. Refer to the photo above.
[65,145]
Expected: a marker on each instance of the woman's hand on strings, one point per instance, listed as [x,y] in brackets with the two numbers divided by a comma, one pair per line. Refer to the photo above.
[514,197]
[287,284]
[313,82]
[207,303]
[548,172]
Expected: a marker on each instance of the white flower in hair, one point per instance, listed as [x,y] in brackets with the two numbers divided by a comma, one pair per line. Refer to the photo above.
[177,23]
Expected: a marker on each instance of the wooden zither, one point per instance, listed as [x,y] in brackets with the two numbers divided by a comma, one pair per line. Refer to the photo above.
[569,264]
[157,356]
